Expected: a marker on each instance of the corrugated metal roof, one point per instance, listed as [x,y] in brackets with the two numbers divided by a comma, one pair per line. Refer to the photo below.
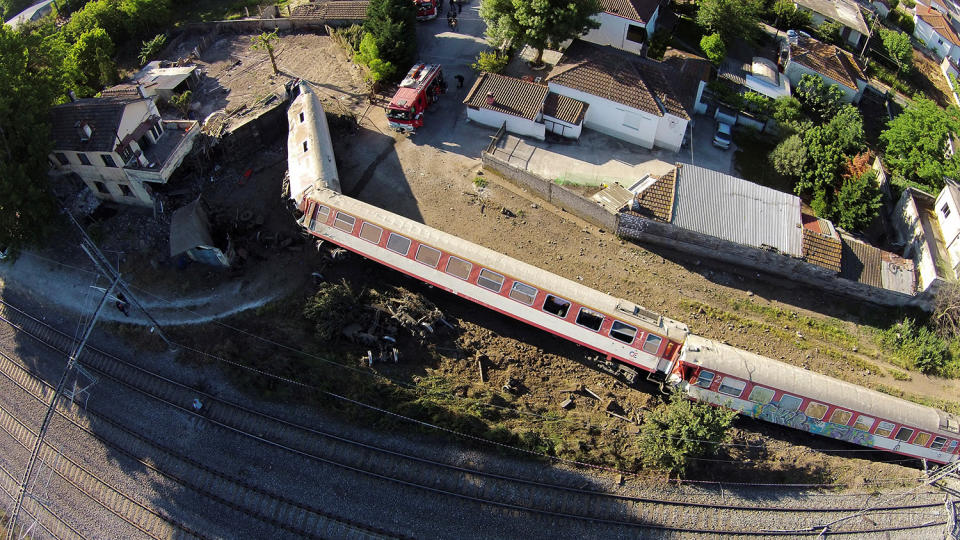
[733,209]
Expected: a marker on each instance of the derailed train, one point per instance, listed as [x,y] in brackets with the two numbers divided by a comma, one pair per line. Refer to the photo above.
[630,340]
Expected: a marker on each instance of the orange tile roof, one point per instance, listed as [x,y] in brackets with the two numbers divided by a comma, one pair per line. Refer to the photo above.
[565,108]
[821,249]
[511,95]
[828,60]
[656,202]
[938,22]
[637,10]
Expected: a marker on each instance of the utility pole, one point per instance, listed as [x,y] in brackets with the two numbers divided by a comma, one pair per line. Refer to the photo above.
[51,408]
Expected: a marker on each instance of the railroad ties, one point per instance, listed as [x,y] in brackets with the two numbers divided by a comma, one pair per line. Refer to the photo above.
[588,510]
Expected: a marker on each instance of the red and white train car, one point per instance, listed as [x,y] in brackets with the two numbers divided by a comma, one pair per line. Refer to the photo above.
[801,399]
[616,328]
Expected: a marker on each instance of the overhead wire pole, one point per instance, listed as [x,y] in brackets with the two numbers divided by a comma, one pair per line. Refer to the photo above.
[51,408]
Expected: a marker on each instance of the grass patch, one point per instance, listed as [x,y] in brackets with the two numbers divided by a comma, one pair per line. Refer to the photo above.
[825,329]
[480,182]
[733,318]
[914,346]
[942,404]
[900,375]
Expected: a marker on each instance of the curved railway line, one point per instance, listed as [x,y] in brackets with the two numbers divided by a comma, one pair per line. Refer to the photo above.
[544,501]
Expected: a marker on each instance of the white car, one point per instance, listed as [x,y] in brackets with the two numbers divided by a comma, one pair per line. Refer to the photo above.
[722,138]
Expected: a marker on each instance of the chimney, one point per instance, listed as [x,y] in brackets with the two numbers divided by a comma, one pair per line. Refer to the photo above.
[72,96]
[490,99]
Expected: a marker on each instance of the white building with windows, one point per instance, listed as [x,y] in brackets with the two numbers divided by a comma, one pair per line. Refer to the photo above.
[934,30]
[929,229]
[118,146]
[625,24]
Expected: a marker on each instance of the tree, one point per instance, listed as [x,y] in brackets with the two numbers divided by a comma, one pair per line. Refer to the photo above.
[732,19]
[946,310]
[789,115]
[915,143]
[679,431]
[393,25]
[789,157]
[714,47]
[265,42]
[898,47]
[32,79]
[858,201]
[788,16]
[828,147]
[143,16]
[537,23]
[92,57]
[181,102]
[330,309]
[152,48]
[490,61]
[378,70]
[97,14]
[819,101]
[829,32]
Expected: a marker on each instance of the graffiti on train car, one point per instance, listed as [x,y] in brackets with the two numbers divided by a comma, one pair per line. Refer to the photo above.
[771,412]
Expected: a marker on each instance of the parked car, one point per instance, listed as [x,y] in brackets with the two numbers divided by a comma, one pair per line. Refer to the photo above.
[722,137]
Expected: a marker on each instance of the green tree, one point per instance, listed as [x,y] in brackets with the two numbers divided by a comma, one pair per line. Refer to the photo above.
[788,112]
[787,15]
[378,69]
[537,23]
[789,158]
[32,79]
[915,143]
[714,47]
[898,48]
[679,431]
[818,100]
[145,16]
[97,14]
[265,42]
[858,201]
[182,101]
[152,48]
[829,32]
[490,61]
[393,25]
[92,57]
[732,19]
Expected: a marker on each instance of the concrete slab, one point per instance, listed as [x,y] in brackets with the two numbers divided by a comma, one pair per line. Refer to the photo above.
[702,152]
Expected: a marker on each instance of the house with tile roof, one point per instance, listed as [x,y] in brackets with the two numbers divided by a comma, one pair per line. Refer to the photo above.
[523,107]
[934,30]
[929,229]
[845,12]
[629,97]
[31,14]
[119,145]
[625,24]
[807,56]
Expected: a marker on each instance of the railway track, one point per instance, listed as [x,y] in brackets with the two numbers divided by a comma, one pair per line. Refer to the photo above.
[544,501]
[36,510]
[233,494]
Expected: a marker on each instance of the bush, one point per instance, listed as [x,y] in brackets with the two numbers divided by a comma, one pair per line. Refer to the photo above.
[490,61]
[152,48]
[677,432]
[658,44]
[714,47]
[330,308]
[829,32]
[379,70]
[914,346]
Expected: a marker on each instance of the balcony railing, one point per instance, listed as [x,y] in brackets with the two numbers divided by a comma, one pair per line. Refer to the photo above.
[167,153]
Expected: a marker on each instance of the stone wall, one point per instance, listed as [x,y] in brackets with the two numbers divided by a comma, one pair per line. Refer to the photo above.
[694,243]
[574,203]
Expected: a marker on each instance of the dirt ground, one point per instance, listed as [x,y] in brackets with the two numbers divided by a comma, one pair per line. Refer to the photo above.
[430,177]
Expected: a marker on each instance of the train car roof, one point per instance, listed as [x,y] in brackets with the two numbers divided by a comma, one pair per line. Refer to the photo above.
[316,163]
[622,309]
[765,371]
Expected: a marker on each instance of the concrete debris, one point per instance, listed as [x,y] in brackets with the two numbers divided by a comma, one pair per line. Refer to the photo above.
[567,403]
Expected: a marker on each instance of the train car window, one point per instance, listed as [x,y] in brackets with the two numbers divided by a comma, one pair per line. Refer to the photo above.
[344,222]
[428,256]
[705,379]
[863,423]
[921,439]
[903,434]
[556,306]
[951,447]
[938,443]
[489,279]
[652,344]
[760,394]
[884,429]
[623,332]
[371,233]
[320,217]
[400,244]
[590,319]
[816,410]
[732,387]
[841,417]
[459,268]
[790,403]
[521,292]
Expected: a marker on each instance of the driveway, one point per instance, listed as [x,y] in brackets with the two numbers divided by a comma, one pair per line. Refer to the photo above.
[701,151]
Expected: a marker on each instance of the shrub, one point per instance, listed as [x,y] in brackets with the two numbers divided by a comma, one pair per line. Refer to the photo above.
[152,48]
[379,70]
[330,308]
[181,102]
[714,47]
[680,430]
[829,32]
[916,346]
[491,61]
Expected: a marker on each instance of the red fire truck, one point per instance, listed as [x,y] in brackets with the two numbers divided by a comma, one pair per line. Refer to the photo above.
[426,9]
[418,90]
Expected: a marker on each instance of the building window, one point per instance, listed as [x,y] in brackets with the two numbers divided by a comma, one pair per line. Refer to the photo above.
[652,344]
[938,443]
[84,160]
[945,210]
[732,387]
[156,130]
[62,158]
[344,222]
[108,160]
[321,217]
[590,319]
[636,34]
[301,118]
[125,153]
[101,187]
[459,267]
[125,190]
[760,394]
[304,146]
